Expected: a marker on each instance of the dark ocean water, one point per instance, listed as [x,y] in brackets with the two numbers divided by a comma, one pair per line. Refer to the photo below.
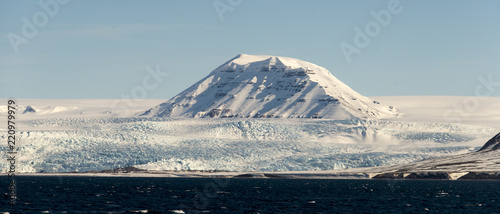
[195,195]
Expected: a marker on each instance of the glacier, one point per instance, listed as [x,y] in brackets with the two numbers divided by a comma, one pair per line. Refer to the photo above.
[99,143]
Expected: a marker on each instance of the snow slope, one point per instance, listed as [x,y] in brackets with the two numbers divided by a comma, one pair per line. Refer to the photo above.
[249,86]
[492,144]
[487,159]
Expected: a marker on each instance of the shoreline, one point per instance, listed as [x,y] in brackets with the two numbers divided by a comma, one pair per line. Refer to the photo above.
[492,176]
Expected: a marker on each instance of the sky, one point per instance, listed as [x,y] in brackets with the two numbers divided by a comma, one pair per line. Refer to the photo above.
[155,49]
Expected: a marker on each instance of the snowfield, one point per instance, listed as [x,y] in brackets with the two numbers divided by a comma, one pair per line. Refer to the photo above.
[83,135]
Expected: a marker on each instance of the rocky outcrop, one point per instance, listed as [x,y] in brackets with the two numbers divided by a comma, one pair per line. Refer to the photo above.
[389,175]
[481,176]
[492,144]
[429,176]
[414,176]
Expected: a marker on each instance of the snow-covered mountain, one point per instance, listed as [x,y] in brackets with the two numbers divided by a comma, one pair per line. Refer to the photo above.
[249,86]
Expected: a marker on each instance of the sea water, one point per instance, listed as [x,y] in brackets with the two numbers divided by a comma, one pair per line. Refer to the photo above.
[66,194]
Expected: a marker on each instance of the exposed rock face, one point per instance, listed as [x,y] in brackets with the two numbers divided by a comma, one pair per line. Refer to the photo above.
[481,176]
[492,144]
[389,175]
[414,175]
[270,87]
[29,109]
[429,175]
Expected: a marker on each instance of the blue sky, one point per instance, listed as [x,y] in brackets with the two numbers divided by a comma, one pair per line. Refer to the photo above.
[100,49]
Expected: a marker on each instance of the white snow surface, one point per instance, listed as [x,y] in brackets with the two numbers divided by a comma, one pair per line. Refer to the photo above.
[249,86]
[83,135]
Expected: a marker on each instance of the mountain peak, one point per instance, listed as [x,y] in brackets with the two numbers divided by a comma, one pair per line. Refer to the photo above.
[271,86]
[249,63]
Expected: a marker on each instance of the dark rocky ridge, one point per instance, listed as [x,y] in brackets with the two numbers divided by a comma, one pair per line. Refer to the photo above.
[492,144]
[481,176]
